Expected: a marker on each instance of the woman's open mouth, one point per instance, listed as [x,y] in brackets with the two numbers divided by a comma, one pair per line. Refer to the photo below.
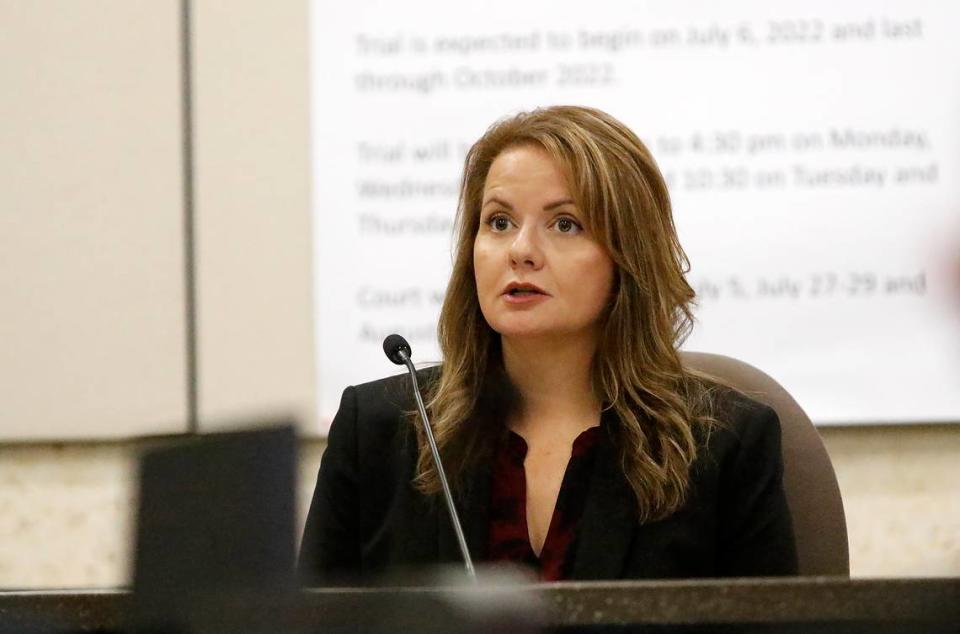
[518,293]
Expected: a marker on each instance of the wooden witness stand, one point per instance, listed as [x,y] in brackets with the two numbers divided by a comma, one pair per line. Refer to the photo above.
[814,604]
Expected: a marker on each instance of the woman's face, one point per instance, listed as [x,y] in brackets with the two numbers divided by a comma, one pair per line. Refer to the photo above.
[538,272]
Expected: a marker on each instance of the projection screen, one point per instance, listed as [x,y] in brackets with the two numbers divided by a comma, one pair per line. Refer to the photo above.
[811,150]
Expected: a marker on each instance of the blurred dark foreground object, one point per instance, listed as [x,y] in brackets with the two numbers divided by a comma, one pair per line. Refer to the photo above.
[215,530]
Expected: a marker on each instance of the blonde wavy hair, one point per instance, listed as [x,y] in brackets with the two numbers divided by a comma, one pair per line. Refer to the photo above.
[637,373]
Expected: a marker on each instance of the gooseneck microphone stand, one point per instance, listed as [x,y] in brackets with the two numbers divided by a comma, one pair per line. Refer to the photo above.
[398,350]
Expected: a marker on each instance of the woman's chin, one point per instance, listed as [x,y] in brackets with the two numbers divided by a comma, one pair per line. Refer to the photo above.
[521,332]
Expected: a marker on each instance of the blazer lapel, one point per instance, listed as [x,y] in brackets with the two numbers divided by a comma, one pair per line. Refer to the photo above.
[609,523]
[472,503]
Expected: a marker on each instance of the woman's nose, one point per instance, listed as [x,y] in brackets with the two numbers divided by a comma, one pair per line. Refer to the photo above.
[525,249]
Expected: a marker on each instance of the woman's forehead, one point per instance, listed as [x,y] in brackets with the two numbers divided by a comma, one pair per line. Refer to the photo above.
[525,167]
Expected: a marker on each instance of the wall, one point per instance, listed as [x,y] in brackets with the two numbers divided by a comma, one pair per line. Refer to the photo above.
[91,220]
[901,492]
[95,218]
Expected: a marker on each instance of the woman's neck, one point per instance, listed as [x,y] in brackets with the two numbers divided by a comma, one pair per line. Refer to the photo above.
[554,380]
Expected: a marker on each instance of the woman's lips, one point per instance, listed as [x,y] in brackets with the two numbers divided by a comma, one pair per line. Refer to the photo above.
[524,298]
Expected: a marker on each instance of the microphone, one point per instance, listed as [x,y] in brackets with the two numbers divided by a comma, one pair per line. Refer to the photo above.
[398,350]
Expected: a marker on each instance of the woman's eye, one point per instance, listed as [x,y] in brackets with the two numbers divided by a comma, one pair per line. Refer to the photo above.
[567,225]
[499,223]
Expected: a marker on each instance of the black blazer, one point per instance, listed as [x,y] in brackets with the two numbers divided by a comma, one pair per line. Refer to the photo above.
[366,518]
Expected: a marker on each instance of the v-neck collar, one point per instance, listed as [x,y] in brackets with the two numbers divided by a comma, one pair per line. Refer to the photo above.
[570,496]
[607,526]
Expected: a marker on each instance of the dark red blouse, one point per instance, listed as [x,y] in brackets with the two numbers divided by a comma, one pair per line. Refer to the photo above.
[509,538]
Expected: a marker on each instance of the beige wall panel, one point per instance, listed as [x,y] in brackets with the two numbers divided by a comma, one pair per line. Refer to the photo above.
[901,494]
[67,514]
[91,215]
[255,312]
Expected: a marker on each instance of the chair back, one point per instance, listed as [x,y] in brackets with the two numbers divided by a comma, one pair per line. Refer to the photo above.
[811,485]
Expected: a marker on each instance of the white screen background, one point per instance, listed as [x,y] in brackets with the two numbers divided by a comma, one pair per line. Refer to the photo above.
[811,148]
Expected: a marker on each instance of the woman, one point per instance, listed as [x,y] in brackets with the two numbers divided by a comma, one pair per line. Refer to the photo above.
[576,441]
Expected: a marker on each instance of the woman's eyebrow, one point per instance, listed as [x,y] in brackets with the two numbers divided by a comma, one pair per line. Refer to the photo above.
[547,207]
[559,203]
[502,203]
